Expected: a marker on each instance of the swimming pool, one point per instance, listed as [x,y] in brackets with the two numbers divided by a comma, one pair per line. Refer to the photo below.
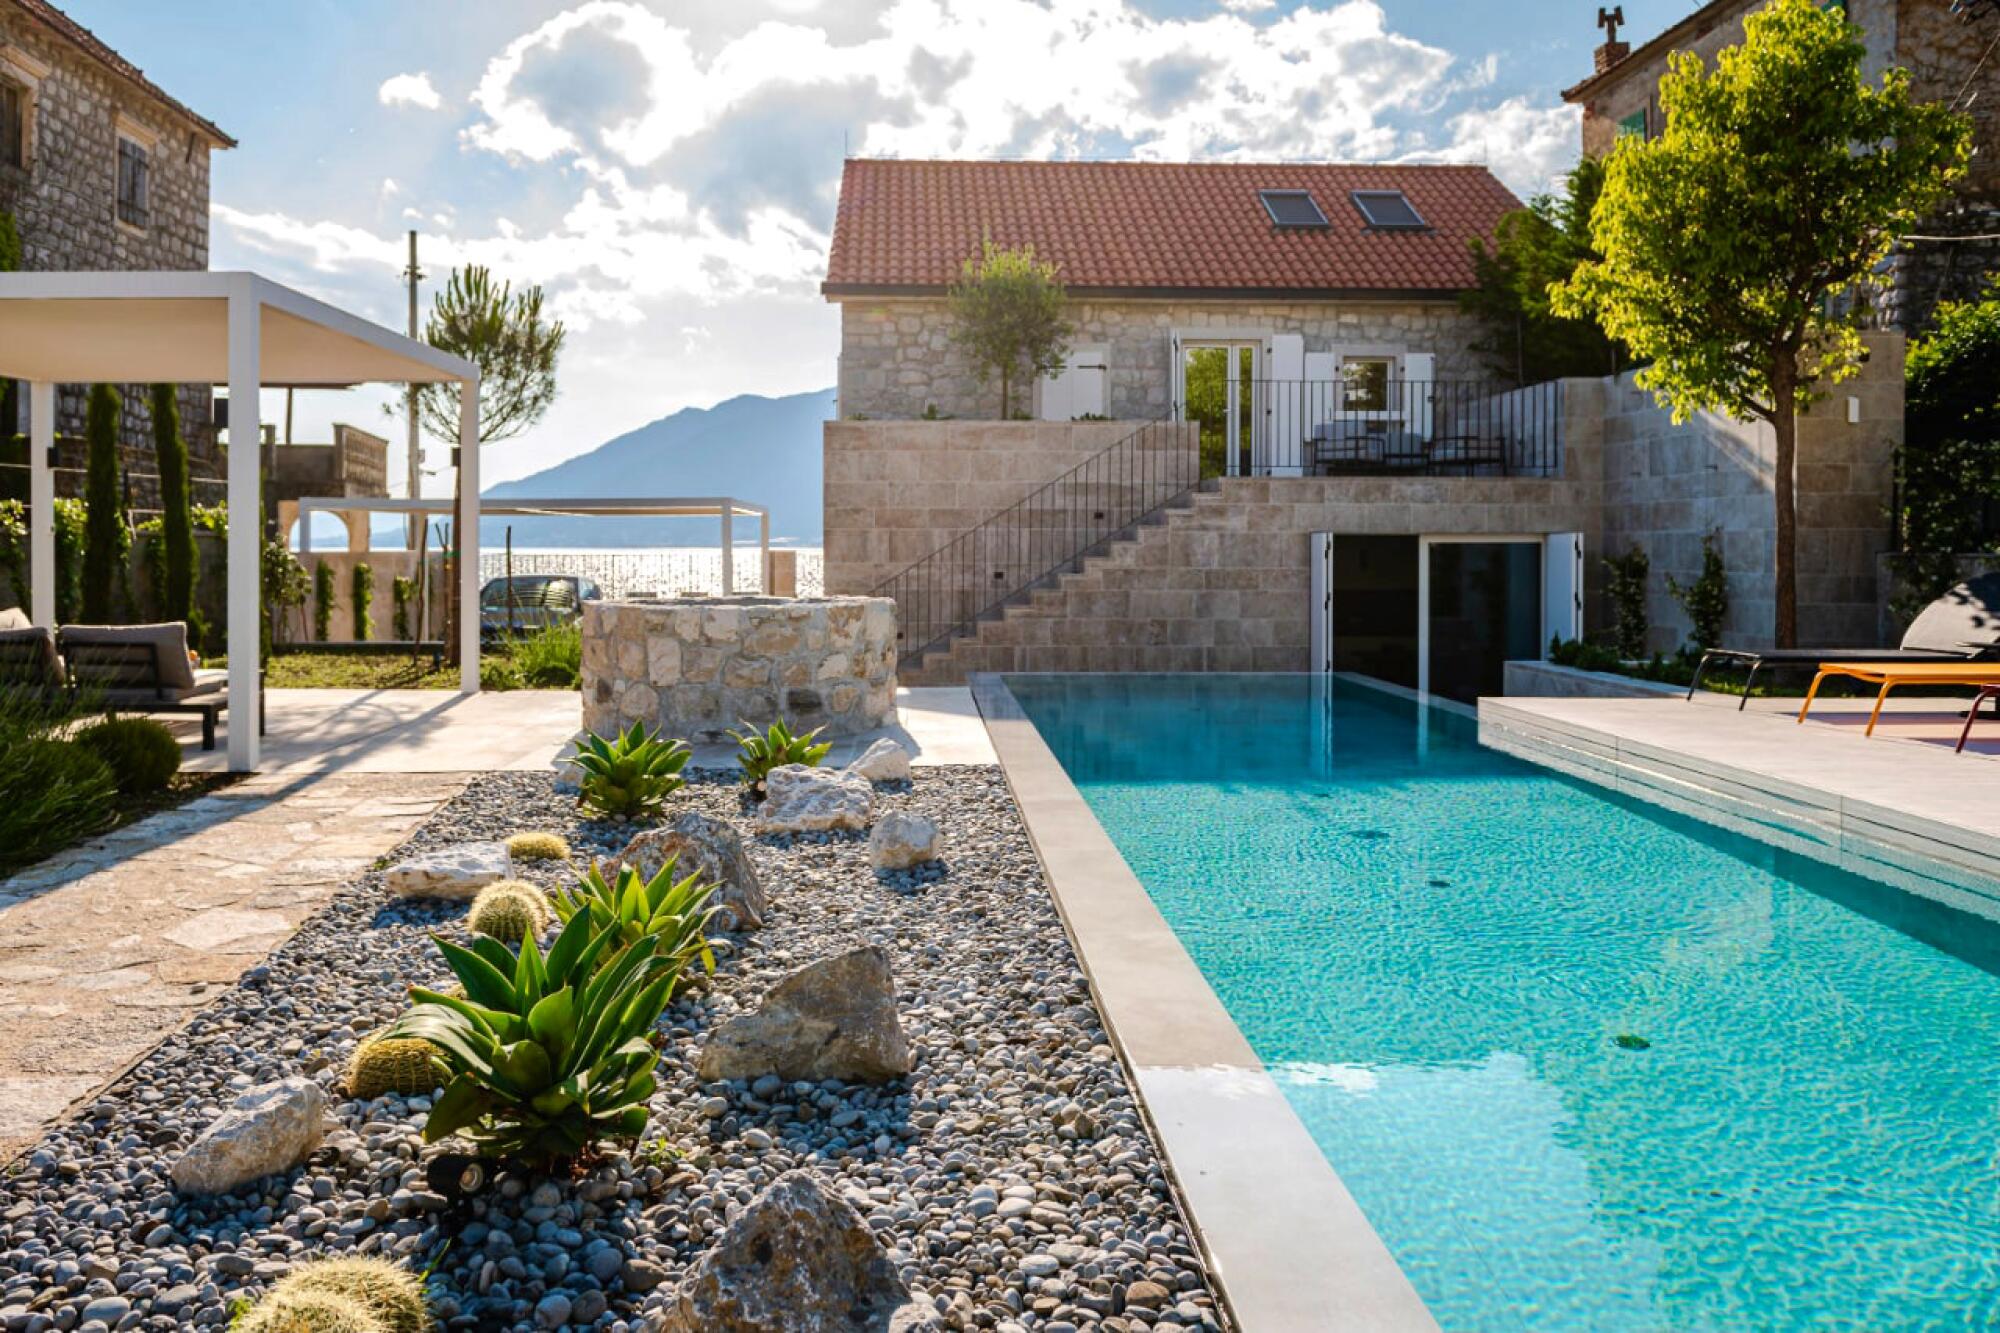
[1583,1063]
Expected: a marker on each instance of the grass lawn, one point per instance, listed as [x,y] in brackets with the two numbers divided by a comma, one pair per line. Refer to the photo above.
[502,666]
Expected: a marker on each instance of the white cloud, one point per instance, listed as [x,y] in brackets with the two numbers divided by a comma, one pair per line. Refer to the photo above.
[1247,6]
[415,90]
[1527,146]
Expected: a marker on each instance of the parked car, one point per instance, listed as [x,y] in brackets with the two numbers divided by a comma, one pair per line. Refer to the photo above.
[529,602]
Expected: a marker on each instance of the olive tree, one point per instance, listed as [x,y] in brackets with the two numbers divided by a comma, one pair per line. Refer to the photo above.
[1007,309]
[1737,251]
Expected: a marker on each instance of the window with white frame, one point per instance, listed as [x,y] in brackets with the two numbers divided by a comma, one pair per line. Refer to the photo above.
[1364,382]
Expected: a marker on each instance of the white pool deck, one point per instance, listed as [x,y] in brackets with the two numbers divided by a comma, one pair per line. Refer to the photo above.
[1898,805]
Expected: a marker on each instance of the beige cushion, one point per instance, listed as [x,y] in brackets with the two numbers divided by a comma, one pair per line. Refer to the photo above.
[108,671]
[14,618]
[209,680]
[28,657]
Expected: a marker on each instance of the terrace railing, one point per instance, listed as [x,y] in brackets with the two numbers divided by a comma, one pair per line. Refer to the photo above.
[1434,427]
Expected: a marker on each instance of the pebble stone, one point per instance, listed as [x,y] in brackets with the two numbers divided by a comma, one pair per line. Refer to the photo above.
[1010,1175]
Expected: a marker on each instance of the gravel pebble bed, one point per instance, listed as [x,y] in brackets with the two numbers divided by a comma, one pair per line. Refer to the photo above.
[1010,1174]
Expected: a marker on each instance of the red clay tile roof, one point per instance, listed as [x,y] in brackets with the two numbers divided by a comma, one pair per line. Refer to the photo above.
[88,42]
[1150,228]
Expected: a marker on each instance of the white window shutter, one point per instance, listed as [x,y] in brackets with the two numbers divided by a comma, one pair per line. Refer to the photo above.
[1419,370]
[1284,403]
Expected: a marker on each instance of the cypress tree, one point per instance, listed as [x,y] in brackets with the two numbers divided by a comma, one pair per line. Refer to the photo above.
[176,516]
[105,536]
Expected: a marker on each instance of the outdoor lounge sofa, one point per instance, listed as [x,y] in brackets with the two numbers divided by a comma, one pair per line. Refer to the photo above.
[1961,626]
[119,668]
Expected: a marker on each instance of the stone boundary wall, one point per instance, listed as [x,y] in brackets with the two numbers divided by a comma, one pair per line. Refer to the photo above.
[895,491]
[697,667]
[388,566]
[1666,485]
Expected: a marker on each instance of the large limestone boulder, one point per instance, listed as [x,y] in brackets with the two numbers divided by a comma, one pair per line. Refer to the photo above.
[884,761]
[900,840]
[449,872]
[798,1259]
[268,1129]
[832,1019]
[709,848]
[798,799]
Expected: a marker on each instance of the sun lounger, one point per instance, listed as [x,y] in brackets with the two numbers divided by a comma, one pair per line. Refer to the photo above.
[1890,676]
[1971,714]
[1961,626]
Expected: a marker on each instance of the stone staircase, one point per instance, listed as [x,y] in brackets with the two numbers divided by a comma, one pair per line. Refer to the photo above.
[1149,600]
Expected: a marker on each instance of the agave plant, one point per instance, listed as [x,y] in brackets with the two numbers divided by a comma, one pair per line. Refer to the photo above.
[672,913]
[631,775]
[758,752]
[544,1056]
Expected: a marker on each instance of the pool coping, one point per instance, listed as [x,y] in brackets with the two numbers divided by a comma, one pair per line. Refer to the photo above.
[1286,1244]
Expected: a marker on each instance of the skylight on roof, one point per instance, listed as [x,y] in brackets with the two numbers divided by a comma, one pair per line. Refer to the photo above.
[1292,208]
[1388,208]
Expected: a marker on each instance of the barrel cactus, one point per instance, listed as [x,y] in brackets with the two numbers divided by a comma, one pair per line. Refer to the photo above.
[509,910]
[401,1065]
[538,847]
[353,1295]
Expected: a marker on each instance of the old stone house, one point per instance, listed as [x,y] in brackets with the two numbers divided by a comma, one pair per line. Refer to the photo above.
[100,168]
[1950,59]
[1273,446]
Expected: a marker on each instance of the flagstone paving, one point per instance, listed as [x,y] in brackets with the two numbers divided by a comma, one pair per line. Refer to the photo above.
[107,948]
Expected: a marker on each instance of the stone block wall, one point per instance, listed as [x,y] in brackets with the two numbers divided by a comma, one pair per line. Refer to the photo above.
[897,358]
[64,205]
[698,667]
[895,491]
[1666,485]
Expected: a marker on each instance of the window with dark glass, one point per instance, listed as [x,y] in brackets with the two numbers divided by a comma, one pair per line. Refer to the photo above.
[1388,209]
[1365,383]
[13,124]
[134,184]
[1292,208]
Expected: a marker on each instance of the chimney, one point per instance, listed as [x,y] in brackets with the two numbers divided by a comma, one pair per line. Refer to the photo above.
[1613,50]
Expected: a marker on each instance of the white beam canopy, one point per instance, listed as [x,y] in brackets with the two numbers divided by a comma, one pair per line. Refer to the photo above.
[237,329]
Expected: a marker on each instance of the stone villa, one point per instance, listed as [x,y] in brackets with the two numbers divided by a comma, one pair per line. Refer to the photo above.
[1949,60]
[1367,498]
[101,168]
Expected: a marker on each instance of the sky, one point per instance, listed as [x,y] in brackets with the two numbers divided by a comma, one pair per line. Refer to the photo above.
[667,169]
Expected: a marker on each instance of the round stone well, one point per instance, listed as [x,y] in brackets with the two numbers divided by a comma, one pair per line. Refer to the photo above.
[696,667]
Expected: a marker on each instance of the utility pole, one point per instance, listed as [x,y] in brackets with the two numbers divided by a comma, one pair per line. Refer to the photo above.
[415,526]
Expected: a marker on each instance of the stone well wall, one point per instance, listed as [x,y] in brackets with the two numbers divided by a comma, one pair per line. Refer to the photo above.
[696,667]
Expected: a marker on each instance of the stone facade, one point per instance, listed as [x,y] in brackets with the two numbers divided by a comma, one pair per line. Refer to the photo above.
[698,667]
[1943,56]
[897,358]
[64,202]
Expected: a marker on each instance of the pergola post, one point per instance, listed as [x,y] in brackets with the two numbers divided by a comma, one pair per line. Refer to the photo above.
[42,503]
[468,537]
[728,548]
[764,552]
[245,528]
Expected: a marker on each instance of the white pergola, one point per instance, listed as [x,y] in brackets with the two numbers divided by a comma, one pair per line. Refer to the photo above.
[727,509]
[216,328]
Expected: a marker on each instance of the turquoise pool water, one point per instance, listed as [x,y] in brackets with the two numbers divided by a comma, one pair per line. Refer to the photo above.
[1585,1064]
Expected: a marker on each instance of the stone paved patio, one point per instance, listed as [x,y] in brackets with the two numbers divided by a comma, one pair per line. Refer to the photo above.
[106,948]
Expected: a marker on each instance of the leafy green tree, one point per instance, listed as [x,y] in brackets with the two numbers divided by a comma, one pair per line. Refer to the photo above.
[505,334]
[1948,470]
[1535,248]
[176,511]
[1007,311]
[106,538]
[1782,180]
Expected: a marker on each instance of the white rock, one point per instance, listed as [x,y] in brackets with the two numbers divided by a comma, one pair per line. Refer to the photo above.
[901,840]
[266,1130]
[451,872]
[884,761]
[798,799]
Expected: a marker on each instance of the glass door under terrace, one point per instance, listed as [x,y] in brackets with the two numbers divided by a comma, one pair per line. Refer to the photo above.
[1479,606]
